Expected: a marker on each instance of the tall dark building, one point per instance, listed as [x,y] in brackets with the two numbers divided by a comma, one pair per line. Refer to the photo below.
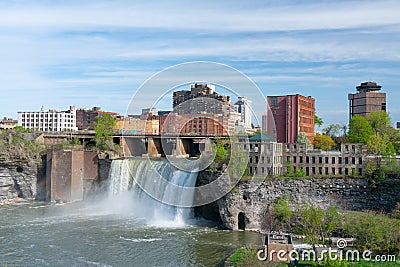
[201,99]
[367,100]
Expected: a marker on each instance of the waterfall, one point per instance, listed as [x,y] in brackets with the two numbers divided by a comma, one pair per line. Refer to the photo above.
[124,176]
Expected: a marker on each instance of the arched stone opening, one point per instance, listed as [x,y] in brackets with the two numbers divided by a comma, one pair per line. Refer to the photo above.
[241,221]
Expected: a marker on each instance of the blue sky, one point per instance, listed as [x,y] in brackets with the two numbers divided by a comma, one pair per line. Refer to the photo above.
[97,53]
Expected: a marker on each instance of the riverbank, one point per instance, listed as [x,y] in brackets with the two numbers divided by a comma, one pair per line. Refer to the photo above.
[13,201]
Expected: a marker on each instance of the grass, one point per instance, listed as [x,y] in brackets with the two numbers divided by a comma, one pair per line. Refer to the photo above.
[248,257]
[239,255]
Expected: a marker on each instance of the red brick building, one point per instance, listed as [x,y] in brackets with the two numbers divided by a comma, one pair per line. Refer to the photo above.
[85,118]
[292,114]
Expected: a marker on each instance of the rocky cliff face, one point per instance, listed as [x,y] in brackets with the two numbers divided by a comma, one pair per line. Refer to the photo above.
[250,200]
[19,179]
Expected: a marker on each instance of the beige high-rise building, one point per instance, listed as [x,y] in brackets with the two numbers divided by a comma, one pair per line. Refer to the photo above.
[367,100]
[201,98]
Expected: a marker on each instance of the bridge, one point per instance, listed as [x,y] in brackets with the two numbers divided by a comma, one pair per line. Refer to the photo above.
[145,145]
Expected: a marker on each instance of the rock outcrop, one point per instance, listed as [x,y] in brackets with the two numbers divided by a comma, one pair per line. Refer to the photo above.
[19,179]
[248,202]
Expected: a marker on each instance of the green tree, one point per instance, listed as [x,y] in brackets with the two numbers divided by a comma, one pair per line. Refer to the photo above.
[376,144]
[311,223]
[318,121]
[104,129]
[220,155]
[303,139]
[282,210]
[359,130]
[318,224]
[324,142]
[332,130]
[393,135]
[379,121]
[374,231]
[390,156]
[332,221]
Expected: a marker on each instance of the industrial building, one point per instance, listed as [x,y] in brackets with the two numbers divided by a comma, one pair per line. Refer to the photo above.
[367,100]
[292,114]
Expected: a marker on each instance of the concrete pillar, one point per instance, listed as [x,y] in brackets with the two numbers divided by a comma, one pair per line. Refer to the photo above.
[66,172]
[180,151]
[207,145]
[152,150]
[77,173]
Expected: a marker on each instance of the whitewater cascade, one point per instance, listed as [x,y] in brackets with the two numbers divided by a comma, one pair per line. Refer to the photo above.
[123,177]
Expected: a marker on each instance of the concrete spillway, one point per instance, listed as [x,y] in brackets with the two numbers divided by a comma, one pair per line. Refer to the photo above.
[128,176]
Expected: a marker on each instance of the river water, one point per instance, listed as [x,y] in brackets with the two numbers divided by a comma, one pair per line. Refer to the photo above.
[121,227]
[80,234]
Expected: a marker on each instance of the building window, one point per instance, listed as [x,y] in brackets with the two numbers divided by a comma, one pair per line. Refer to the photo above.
[326,160]
[360,160]
[333,160]
[353,160]
[273,101]
[320,160]
[301,159]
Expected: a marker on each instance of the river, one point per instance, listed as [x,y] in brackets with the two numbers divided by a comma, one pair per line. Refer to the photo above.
[83,234]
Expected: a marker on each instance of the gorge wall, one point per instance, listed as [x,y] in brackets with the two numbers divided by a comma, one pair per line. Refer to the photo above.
[21,179]
[62,175]
[250,200]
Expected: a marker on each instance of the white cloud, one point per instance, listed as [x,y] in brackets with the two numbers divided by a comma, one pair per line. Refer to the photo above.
[69,48]
[210,16]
